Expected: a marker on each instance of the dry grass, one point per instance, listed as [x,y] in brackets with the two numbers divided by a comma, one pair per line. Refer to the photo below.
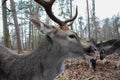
[79,70]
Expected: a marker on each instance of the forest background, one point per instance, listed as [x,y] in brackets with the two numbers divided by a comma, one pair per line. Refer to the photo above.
[100,20]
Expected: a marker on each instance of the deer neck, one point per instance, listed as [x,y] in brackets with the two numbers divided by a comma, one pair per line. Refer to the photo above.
[51,59]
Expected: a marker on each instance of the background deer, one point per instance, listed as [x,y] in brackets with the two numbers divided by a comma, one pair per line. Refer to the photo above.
[108,47]
[46,62]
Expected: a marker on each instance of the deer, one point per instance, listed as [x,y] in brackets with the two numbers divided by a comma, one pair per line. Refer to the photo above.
[92,50]
[46,61]
[108,47]
[103,46]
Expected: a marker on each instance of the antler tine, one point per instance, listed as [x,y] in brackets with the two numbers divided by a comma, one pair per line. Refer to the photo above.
[73,18]
[4,2]
[44,3]
[48,8]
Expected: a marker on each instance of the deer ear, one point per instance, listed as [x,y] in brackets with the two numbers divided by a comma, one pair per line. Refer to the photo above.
[46,28]
[50,35]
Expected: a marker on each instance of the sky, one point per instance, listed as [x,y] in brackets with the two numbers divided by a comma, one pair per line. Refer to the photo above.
[107,8]
[104,9]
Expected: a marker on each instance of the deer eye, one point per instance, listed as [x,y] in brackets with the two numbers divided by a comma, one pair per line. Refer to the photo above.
[72,36]
[95,49]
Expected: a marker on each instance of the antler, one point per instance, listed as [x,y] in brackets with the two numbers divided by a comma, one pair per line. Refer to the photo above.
[4,1]
[48,8]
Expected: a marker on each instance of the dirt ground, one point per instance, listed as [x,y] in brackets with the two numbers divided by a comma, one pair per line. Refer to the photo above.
[79,70]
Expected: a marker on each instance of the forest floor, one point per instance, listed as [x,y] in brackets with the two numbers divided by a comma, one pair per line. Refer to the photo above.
[79,70]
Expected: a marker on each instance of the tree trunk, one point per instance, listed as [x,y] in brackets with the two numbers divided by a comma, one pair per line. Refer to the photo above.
[19,48]
[71,12]
[88,20]
[80,24]
[94,22]
[5,26]
[29,39]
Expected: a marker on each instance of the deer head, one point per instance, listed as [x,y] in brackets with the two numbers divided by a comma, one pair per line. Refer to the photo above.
[108,47]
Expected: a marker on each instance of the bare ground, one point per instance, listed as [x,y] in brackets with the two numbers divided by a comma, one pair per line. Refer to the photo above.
[79,70]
